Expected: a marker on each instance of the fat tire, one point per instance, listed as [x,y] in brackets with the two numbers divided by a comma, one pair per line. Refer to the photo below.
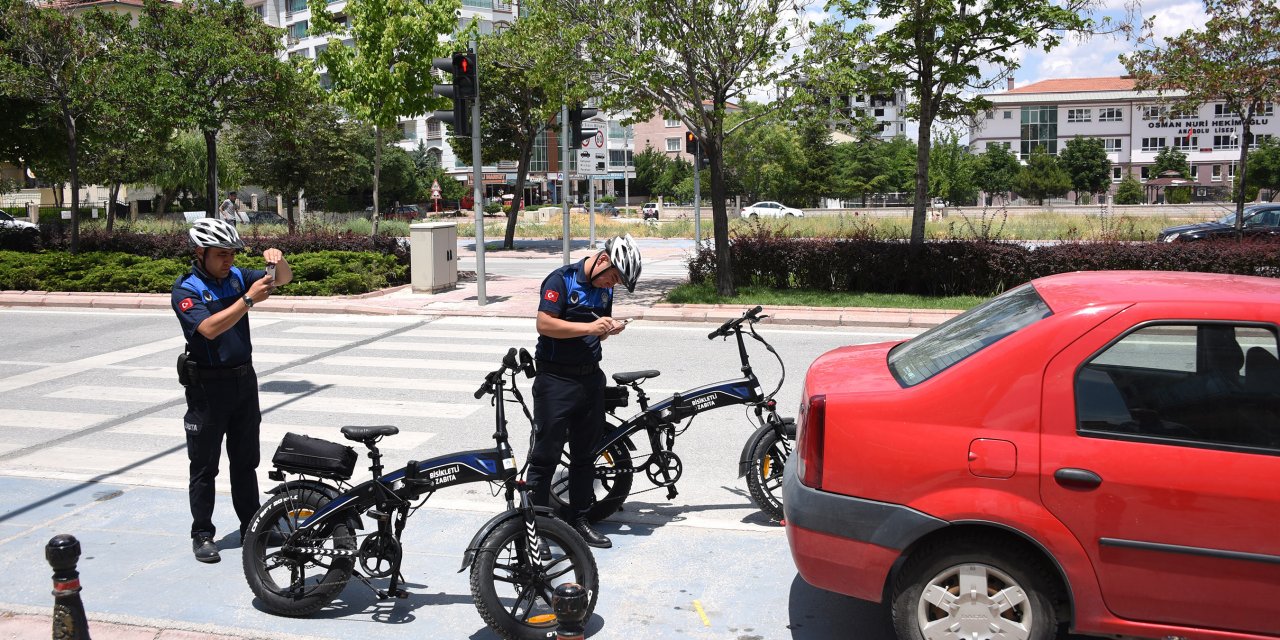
[616,489]
[282,514]
[769,453]
[1027,570]
[499,547]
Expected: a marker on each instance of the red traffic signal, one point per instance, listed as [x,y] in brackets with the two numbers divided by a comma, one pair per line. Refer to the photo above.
[690,143]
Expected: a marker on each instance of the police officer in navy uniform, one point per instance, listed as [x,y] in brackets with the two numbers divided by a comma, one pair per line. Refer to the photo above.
[212,302]
[574,316]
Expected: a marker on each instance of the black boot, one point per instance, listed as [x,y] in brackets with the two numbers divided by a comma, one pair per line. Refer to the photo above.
[592,537]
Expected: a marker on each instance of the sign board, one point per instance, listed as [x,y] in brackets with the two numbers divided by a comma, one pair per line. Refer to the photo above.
[66,215]
[599,138]
[435,189]
[593,162]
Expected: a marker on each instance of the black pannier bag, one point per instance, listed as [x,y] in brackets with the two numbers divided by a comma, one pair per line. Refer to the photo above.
[313,456]
[615,397]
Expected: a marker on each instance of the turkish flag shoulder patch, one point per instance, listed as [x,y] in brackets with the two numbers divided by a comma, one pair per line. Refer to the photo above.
[552,295]
[186,304]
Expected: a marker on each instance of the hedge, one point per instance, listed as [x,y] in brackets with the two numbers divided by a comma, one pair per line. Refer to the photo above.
[315,273]
[961,267]
[175,245]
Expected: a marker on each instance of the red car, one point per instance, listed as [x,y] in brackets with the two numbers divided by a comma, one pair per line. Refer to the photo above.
[1094,452]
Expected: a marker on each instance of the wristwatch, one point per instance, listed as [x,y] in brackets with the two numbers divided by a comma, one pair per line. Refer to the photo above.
[248,301]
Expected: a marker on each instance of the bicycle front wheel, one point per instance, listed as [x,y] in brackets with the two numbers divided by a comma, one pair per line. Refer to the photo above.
[301,577]
[512,589]
[611,487]
[764,477]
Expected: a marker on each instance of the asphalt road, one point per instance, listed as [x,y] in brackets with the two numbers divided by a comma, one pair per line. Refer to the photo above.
[91,443]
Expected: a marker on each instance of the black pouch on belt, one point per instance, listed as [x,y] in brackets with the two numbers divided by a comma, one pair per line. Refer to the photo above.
[184,370]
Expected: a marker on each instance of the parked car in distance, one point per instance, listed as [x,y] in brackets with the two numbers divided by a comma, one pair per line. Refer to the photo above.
[649,210]
[607,207]
[9,223]
[402,212]
[1093,451]
[770,209]
[1260,220]
[266,217]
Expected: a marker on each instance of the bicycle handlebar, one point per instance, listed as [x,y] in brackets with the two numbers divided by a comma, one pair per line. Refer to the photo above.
[514,362]
[725,328]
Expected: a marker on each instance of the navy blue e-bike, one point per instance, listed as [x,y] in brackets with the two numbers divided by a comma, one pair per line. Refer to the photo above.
[317,531]
[763,457]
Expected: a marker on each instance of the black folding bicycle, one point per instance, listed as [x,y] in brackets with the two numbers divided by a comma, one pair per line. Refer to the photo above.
[763,457]
[305,543]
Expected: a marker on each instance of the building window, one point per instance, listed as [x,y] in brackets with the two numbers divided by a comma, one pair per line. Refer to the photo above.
[620,157]
[478,4]
[1145,173]
[409,130]
[1183,143]
[538,161]
[433,129]
[260,10]
[1228,141]
[1039,129]
[1154,112]
[1195,173]
[1216,173]
[1182,113]
[300,53]
[673,144]
[320,48]
[1116,174]
[349,43]
[1111,114]
[879,113]
[1152,144]
[1267,109]
[669,122]
[991,114]
[1258,138]
[1079,115]
[618,132]
[295,6]
[298,30]
[1231,171]
[1112,144]
[1222,110]
[325,82]
[1008,115]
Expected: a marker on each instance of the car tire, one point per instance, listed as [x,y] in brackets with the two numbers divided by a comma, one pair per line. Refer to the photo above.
[1014,593]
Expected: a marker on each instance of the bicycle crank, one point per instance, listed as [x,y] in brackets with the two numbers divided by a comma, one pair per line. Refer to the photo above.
[378,554]
[664,468]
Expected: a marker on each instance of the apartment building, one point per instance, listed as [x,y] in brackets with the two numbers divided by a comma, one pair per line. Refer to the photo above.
[1133,125]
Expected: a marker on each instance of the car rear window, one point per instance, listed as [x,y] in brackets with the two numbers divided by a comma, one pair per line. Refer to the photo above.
[931,352]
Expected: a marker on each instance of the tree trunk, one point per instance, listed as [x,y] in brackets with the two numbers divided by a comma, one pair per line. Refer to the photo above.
[920,209]
[73,163]
[288,208]
[526,152]
[112,194]
[377,171]
[1240,175]
[719,215]
[211,173]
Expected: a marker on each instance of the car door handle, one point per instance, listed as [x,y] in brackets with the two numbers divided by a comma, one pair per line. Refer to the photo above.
[1077,478]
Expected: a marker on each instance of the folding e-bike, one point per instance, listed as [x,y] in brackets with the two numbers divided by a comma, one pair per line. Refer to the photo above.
[763,457]
[306,542]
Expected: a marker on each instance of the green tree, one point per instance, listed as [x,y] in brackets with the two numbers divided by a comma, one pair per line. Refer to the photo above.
[1170,159]
[819,162]
[1130,191]
[216,64]
[301,146]
[386,74]
[938,51]
[689,59]
[1042,178]
[1264,165]
[58,61]
[178,168]
[859,170]
[769,159]
[995,171]
[1085,160]
[1232,60]
[951,170]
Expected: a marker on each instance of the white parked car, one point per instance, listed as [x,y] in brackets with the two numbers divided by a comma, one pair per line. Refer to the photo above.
[770,209]
[9,222]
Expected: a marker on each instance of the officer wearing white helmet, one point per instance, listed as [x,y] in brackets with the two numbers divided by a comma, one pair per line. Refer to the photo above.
[212,302]
[574,316]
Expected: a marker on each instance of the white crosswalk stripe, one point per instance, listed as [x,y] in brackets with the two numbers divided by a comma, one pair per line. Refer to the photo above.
[427,347]
[60,420]
[408,363]
[117,394]
[270,433]
[509,336]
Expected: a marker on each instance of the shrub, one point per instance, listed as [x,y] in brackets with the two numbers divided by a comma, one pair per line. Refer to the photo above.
[1130,191]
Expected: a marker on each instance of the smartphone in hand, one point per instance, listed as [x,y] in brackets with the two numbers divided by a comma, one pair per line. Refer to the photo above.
[271,272]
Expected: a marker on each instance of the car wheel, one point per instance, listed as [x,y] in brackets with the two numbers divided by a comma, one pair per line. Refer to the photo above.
[971,588]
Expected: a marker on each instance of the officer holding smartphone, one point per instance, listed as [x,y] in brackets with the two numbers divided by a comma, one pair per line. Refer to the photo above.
[212,303]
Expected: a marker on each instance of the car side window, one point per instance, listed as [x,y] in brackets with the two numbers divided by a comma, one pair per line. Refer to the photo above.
[1200,384]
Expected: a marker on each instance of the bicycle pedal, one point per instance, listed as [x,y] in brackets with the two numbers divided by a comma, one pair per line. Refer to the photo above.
[672,493]
[377,515]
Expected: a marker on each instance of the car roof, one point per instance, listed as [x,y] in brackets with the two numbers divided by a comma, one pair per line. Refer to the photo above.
[1066,291]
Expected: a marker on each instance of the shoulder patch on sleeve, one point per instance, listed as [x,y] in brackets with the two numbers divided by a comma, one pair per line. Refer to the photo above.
[552,295]
[186,304]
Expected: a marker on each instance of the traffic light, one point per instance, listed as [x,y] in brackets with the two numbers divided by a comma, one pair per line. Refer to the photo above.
[690,143]
[576,116]
[462,90]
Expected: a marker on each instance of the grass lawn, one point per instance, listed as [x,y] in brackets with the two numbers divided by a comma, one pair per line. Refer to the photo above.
[751,295]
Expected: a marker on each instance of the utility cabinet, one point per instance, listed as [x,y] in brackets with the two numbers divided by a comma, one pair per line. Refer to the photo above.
[433,256]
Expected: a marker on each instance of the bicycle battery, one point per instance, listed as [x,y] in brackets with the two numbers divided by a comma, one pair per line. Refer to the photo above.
[313,456]
[616,397]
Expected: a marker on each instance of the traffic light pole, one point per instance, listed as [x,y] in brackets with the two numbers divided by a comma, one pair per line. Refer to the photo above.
[477,191]
[591,207]
[697,198]
[564,174]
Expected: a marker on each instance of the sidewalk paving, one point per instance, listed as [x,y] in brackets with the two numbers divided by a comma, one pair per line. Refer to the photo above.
[506,296]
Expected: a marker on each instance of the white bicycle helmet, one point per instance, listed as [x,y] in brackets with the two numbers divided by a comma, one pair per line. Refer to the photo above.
[214,233]
[625,257]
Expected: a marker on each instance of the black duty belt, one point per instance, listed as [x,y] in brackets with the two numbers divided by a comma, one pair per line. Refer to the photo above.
[218,373]
[567,369]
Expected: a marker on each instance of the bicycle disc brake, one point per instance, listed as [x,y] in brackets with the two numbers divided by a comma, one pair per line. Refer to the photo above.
[664,468]
[378,554]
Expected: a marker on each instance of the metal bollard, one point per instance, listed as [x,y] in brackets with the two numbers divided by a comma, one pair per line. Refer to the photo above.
[570,605]
[69,621]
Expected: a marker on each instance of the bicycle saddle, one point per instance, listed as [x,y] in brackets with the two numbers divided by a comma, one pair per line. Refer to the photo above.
[365,434]
[627,377]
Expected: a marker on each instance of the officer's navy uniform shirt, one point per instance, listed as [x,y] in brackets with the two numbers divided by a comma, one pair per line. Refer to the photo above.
[568,295]
[198,295]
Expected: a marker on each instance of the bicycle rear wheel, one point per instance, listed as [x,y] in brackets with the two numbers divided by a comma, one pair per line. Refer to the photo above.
[512,590]
[308,573]
[611,490]
[764,477]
